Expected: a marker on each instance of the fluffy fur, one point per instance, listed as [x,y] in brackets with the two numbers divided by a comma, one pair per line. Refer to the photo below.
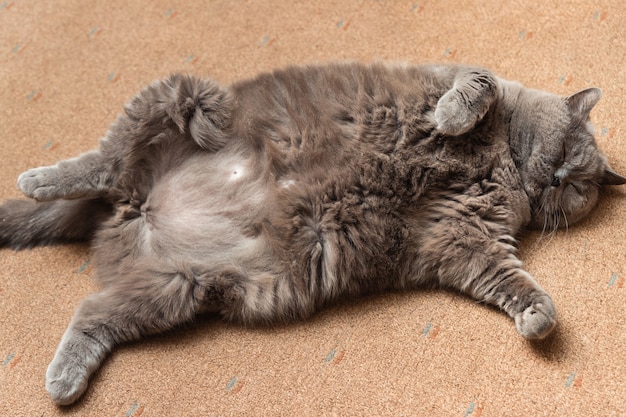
[268,199]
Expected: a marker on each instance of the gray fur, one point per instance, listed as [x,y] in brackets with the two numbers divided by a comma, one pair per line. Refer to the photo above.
[268,199]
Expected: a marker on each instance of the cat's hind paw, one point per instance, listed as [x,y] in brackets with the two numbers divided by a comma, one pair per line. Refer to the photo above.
[40,183]
[65,382]
[538,319]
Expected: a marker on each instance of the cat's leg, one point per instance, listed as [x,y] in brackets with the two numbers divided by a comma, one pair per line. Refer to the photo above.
[503,282]
[182,103]
[518,294]
[467,102]
[256,298]
[462,255]
[140,303]
[86,176]
[174,108]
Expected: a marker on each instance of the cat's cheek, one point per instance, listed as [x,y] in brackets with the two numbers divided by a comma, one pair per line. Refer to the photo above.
[578,200]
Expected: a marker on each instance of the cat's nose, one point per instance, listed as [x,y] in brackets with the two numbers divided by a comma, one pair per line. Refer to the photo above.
[560,175]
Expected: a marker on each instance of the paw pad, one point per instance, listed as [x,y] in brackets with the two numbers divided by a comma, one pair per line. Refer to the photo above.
[537,320]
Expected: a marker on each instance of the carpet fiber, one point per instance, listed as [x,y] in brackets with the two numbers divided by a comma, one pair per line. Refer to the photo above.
[66,69]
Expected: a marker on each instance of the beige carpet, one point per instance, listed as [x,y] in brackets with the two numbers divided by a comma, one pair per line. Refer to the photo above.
[67,67]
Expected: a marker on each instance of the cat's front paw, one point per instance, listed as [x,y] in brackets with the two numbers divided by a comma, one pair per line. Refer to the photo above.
[453,117]
[65,381]
[538,319]
[40,183]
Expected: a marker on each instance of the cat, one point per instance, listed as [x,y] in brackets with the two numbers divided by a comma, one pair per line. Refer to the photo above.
[267,199]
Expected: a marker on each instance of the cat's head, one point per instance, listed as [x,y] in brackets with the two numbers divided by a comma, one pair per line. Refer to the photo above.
[560,163]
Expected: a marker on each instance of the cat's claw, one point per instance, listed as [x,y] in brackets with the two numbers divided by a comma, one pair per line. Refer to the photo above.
[39,183]
[538,319]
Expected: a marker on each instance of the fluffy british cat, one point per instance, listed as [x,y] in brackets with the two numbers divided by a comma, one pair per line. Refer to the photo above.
[272,197]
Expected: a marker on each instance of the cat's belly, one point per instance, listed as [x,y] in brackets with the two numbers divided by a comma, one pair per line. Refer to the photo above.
[206,211]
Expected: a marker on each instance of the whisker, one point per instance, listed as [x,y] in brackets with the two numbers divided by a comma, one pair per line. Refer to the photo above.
[565,218]
[555,226]
[545,218]
[551,220]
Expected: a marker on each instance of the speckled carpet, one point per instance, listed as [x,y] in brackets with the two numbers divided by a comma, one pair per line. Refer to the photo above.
[66,69]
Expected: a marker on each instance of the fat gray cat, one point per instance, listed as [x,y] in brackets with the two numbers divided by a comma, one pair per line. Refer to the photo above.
[269,198]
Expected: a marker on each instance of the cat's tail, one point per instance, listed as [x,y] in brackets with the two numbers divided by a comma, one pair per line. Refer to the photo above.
[28,223]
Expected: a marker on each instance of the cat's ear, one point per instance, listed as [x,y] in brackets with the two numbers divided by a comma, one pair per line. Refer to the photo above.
[611,177]
[581,103]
